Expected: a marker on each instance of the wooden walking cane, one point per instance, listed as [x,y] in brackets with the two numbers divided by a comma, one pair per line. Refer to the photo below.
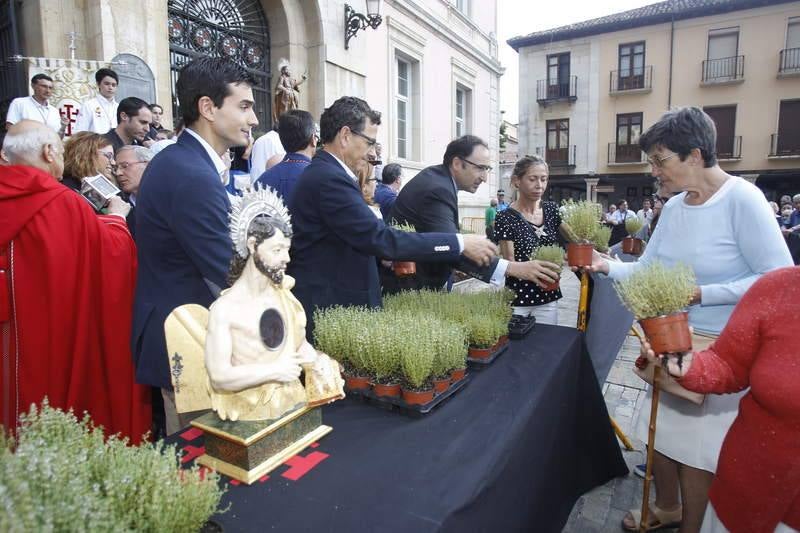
[651,443]
[583,304]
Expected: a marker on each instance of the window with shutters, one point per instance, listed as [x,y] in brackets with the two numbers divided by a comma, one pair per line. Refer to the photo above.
[629,129]
[723,62]
[728,143]
[787,141]
[790,56]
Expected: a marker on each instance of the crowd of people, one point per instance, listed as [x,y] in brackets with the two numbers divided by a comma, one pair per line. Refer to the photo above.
[85,294]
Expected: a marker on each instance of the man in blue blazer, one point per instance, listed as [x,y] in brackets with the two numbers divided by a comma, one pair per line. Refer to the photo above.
[336,235]
[183,242]
[429,202]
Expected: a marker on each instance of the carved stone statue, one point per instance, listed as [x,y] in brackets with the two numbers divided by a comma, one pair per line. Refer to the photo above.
[286,91]
[256,344]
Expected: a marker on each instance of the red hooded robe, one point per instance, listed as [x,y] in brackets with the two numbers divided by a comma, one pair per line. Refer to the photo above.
[67,278]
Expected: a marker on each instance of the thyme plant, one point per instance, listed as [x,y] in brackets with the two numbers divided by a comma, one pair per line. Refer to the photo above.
[656,290]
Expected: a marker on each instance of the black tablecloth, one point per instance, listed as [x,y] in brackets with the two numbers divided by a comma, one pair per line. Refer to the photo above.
[512,451]
[608,326]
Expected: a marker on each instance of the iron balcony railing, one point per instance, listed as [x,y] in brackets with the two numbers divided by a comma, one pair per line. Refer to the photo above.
[631,80]
[548,91]
[789,61]
[723,69]
[729,147]
[625,153]
[784,145]
[558,157]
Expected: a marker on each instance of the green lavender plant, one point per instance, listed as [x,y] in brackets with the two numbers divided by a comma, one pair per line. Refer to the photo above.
[655,290]
[551,253]
[581,219]
[633,225]
[602,234]
[65,476]
[405,226]
[417,363]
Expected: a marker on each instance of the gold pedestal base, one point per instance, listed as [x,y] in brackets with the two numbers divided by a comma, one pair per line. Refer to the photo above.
[253,475]
[246,450]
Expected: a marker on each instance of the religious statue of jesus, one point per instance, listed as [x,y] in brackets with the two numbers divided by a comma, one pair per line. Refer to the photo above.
[255,344]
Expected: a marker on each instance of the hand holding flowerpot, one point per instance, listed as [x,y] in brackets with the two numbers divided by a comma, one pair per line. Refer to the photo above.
[677,364]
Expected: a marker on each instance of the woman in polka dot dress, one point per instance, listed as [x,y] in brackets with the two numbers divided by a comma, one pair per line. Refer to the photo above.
[525,225]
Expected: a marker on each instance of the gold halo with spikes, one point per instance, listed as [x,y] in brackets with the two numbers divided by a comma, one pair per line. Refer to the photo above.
[245,208]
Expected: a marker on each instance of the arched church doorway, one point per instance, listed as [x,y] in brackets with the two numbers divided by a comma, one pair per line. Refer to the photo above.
[236,29]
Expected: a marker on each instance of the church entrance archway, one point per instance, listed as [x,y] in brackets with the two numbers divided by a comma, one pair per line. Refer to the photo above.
[236,29]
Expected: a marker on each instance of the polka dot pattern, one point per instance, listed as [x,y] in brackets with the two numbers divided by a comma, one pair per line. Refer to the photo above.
[508,226]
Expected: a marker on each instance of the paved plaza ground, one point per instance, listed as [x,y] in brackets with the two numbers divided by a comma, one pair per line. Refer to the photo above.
[602,509]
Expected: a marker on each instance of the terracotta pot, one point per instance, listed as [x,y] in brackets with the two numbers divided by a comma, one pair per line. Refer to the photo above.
[669,333]
[457,374]
[417,397]
[579,255]
[481,353]
[552,286]
[356,382]
[404,268]
[503,339]
[441,385]
[632,246]
[386,391]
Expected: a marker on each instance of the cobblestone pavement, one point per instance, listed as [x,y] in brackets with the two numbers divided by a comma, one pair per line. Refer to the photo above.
[603,508]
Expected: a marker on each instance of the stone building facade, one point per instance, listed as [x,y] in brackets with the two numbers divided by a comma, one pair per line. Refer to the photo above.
[431,67]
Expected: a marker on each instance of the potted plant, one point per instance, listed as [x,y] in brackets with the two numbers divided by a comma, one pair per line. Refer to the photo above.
[631,244]
[342,333]
[602,234]
[383,354]
[657,296]
[482,337]
[581,219]
[416,362]
[62,474]
[404,268]
[440,370]
[553,254]
[456,352]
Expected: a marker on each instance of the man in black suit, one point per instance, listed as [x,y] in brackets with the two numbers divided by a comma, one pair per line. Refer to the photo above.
[337,236]
[429,202]
[182,236]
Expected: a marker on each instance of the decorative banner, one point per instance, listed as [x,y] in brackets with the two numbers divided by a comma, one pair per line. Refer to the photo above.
[73,81]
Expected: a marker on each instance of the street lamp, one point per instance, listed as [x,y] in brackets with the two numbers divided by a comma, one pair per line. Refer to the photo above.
[354,21]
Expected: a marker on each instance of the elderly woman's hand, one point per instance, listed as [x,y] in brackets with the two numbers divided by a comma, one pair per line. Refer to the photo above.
[677,364]
[599,263]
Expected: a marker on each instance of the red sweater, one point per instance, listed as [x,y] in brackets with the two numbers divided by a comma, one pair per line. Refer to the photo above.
[757,484]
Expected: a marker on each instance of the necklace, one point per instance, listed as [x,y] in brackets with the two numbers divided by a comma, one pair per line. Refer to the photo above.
[39,108]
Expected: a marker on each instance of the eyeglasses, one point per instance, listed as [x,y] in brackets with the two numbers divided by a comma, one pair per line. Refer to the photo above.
[125,164]
[484,168]
[108,155]
[370,141]
[371,179]
[374,162]
[658,162]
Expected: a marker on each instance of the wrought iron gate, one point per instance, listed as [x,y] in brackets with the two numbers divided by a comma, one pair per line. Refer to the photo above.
[12,77]
[236,29]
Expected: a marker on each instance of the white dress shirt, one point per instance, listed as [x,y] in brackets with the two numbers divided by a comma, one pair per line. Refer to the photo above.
[98,115]
[27,108]
[265,147]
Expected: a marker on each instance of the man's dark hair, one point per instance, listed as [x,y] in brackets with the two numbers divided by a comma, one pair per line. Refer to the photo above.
[296,130]
[103,73]
[391,173]
[682,130]
[207,76]
[130,106]
[152,107]
[37,77]
[346,111]
[262,228]
[620,202]
[462,148]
